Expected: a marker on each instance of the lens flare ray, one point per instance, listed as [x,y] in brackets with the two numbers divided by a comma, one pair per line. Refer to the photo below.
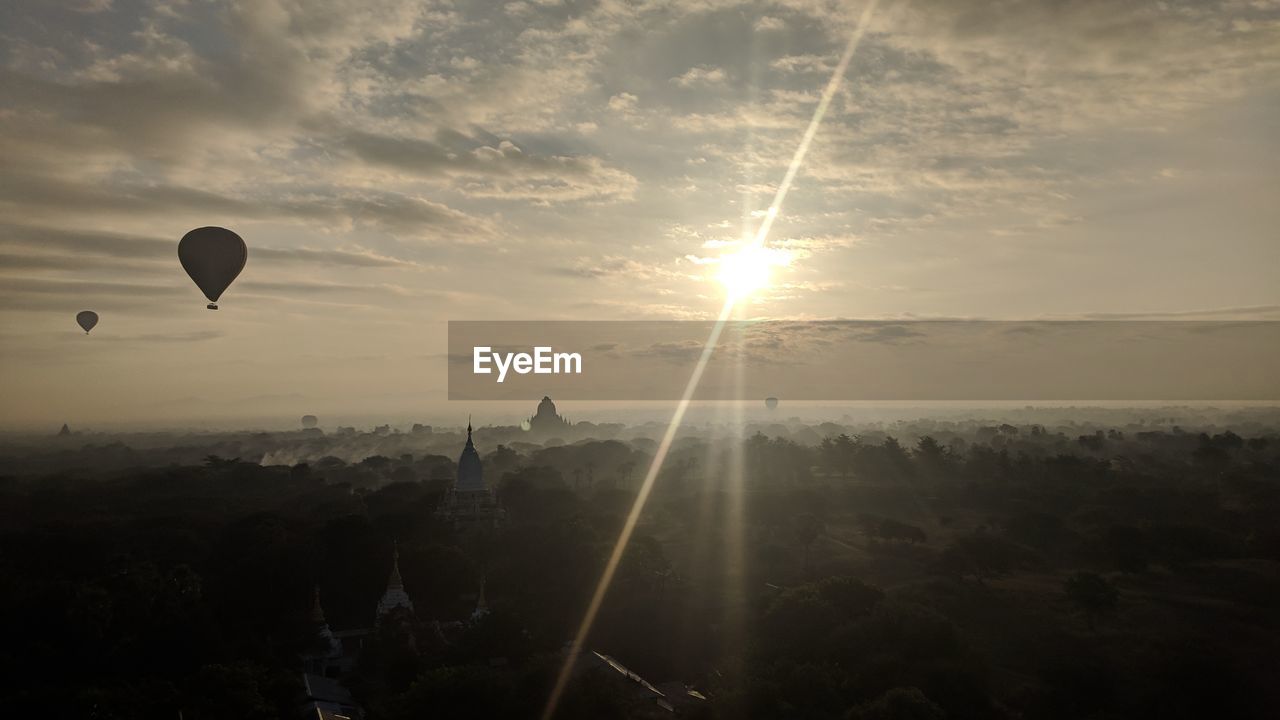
[660,454]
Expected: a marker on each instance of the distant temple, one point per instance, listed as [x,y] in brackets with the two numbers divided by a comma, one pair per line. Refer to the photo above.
[395,596]
[546,420]
[470,503]
[336,654]
[338,651]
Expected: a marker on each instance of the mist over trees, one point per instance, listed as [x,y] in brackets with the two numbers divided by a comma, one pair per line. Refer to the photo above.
[942,568]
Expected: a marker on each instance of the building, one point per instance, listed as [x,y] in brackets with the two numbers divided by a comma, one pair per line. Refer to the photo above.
[337,651]
[336,654]
[330,660]
[395,596]
[470,503]
[546,421]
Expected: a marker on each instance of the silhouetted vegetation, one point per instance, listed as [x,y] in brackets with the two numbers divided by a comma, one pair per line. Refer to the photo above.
[929,570]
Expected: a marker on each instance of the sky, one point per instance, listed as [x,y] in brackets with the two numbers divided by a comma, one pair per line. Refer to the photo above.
[393,165]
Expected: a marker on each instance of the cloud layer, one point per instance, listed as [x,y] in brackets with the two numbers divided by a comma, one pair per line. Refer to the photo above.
[398,162]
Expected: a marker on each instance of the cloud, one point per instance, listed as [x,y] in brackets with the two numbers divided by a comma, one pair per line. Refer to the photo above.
[34,294]
[623,102]
[35,286]
[984,156]
[700,76]
[804,64]
[305,288]
[888,334]
[1249,312]
[613,266]
[79,242]
[677,351]
[20,261]
[498,170]
[392,212]
[163,338]
[345,258]
[768,23]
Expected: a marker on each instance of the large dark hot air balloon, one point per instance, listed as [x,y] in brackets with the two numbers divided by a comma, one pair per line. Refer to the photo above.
[86,319]
[309,421]
[213,257]
[771,403]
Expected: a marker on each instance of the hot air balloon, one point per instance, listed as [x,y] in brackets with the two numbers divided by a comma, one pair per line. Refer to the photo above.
[86,319]
[213,257]
[309,421]
[771,402]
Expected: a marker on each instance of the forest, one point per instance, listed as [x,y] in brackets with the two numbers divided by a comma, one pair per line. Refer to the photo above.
[960,568]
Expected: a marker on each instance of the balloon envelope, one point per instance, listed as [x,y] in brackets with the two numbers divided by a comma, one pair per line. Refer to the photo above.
[213,257]
[309,421]
[86,319]
[771,403]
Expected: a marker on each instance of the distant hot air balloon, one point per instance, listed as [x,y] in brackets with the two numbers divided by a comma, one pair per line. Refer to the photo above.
[309,421]
[771,402]
[213,257]
[86,319]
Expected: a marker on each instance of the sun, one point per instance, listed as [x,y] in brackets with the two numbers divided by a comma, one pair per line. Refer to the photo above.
[746,271]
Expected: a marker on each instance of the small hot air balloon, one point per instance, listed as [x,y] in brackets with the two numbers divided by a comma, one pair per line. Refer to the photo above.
[86,319]
[309,421]
[771,402]
[213,257]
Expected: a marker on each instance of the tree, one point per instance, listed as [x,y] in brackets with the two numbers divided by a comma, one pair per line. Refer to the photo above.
[1127,547]
[932,457]
[502,459]
[242,690]
[893,530]
[809,528]
[625,469]
[901,703]
[1095,442]
[980,554]
[836,454]
[1092,595]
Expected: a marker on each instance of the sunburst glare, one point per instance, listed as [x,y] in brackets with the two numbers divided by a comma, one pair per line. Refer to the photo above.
[749,270]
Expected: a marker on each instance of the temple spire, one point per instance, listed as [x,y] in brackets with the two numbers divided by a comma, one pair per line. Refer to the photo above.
[322,626]
[317,612]
[395,580]
[395,596]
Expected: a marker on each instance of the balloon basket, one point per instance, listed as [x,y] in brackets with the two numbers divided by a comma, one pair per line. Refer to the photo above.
[212,306]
